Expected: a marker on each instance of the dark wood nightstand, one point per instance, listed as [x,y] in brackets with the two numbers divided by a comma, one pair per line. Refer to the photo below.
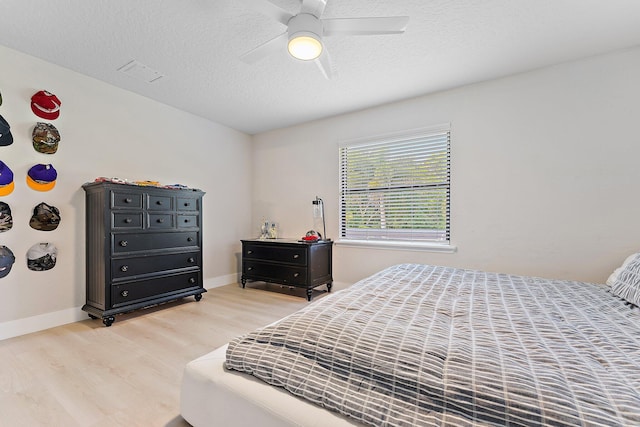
[287,262]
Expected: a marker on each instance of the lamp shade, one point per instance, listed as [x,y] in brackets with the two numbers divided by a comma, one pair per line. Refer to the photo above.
[305,35]
[304,46]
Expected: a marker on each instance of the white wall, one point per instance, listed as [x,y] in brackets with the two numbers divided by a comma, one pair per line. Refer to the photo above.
[544,171]
[109,132]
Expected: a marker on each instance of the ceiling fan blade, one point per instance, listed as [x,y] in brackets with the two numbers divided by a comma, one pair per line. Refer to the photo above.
[314,7]
[365,26]
[324,64]
[269,9]
[272,46]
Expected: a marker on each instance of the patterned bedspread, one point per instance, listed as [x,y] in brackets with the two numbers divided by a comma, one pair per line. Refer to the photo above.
[421,345]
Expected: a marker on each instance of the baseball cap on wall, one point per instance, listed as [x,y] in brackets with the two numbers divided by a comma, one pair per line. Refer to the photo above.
[45,217]
[42,177]
[6,179]
[45,138]
[6,220]
[45,105]
[5,132]
[42,256]
[6,260]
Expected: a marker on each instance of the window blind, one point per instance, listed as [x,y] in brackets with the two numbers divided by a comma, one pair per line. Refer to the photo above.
[396,189]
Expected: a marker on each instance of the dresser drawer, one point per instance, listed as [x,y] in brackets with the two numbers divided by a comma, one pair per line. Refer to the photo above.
[128,267]
[138,291]
[126,220]
[187,204]
[132,242]
[160,203]
[279,253]
[161,221]
[187,221]
[284,274]
[126,199]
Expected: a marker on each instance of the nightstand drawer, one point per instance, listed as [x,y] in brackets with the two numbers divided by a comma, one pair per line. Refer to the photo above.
[286,275]
[134,292]
[279,253]
[128,267]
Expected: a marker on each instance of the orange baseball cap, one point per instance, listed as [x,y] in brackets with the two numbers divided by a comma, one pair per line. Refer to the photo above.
[6,179]
[42,177]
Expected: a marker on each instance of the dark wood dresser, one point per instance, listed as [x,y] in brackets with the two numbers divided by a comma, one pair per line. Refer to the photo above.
[288,262]
[143,247]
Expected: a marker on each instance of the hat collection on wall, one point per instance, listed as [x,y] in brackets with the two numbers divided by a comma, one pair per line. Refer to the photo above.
[41,177]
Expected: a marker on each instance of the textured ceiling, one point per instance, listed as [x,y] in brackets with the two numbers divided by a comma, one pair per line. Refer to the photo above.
[195,44]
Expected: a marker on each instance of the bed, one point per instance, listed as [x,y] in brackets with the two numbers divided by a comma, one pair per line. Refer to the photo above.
[435,346]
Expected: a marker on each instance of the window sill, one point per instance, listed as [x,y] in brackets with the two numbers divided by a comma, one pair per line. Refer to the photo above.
[413,246]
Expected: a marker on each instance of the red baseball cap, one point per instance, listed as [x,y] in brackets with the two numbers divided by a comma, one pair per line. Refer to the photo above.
[45,105]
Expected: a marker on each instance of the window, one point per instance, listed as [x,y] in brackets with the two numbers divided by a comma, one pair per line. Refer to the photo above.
[396,188]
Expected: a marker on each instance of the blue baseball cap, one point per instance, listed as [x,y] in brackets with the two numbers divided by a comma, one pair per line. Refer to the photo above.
[5,133]
[6,260]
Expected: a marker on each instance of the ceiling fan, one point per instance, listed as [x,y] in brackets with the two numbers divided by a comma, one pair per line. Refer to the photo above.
[305,31]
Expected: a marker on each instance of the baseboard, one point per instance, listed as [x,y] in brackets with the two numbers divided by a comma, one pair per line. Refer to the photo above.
[216,282]
[338,286]
[40,322]
[27,325]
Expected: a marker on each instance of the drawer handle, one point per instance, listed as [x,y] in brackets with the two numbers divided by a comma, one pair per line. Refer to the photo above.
[187,204]
[249,252]
[191,259]
[160,220]
[249,268]
[189,239]
[296,256]
[192,280]
[186,220]
[124,268]
[296,274]
[123,243]
[128,220]
[124,293]
[158,202]
[128,200]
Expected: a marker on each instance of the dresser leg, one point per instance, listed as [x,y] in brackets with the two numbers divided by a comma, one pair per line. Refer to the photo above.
[243,281]
[198,297]
[309,292]
[329,286]
[108,321]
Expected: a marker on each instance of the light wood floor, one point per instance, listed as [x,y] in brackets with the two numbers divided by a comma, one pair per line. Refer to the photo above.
[85,374]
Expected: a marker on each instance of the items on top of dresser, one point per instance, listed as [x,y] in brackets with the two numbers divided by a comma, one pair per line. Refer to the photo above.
[144,183]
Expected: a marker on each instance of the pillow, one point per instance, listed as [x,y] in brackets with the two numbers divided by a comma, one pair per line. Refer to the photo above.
[614,276]
[627,282]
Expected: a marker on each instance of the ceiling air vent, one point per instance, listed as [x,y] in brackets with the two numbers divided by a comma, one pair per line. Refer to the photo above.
[141,72]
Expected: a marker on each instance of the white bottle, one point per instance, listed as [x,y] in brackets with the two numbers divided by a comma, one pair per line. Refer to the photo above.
[273,231]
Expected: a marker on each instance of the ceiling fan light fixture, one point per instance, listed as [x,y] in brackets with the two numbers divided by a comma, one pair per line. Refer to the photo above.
[305,37]
[304,46]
